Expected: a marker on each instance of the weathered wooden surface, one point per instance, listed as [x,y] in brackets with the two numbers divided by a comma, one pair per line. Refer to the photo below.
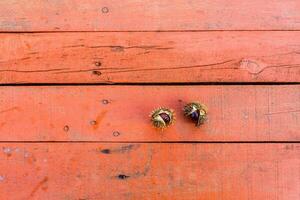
[61,142]
[150,57]
[149,171]
[120,113]
[148,15]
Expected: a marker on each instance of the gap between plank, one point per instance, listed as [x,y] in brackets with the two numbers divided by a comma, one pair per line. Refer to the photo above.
[151,84]
[147,31]
[161,142]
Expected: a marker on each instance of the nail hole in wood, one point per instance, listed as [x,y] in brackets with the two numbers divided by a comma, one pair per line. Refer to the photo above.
[93,122]
[98,64]
[104,10]
[105,101]
[116,133]
[66,128]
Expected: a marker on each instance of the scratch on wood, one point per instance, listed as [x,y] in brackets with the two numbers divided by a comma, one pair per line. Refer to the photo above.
[119,48]
[283,112]
[37,187]
[170,68]
[72,46]
[33,71]
[9,109]
[255,68]
[77,71]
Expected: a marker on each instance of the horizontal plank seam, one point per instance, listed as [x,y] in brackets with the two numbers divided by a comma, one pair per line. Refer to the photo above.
[149,84]
[149,31]
[161,142]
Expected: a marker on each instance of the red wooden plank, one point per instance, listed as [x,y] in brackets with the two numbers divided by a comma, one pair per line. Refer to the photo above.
[149,171]
[150,57]
[120,113]
[148,15]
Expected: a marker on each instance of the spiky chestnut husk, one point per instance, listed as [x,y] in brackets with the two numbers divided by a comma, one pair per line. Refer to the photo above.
[197,112]
[162,118]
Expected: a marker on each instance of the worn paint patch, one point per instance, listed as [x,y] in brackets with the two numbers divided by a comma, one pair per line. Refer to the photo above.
[30,158]
[8,151]
[2,178]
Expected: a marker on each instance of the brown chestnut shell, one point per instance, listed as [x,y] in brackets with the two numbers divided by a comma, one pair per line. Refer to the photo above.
[197,112]
[162,118]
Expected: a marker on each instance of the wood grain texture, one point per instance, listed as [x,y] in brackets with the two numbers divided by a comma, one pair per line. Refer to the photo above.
[150,57]
[148,15]
[120,113]
[149,171]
